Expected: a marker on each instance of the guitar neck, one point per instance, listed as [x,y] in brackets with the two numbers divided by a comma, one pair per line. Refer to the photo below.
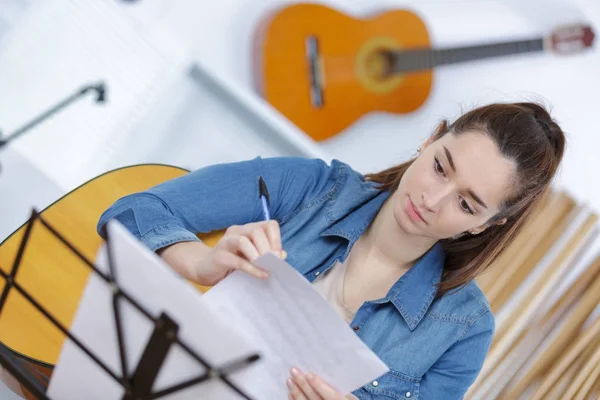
[422,59]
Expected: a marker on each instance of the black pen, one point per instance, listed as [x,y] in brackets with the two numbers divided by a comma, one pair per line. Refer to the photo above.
[263,194]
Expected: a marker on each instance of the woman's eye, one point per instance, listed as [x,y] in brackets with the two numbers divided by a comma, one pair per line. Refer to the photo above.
[465,207]
[438,167]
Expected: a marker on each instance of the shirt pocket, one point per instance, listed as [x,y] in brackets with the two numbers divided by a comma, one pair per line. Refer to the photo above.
[394,385]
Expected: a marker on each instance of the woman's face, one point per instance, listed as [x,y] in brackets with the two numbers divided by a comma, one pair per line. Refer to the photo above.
[457,184]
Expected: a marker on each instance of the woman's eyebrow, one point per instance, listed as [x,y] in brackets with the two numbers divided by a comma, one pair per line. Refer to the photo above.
[450,160]
[476,198]
[469,191]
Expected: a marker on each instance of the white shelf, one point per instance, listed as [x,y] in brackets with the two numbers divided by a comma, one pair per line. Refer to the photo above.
[264,118]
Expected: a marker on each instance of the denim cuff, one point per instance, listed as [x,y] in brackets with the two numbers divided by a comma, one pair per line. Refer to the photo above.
[165,235]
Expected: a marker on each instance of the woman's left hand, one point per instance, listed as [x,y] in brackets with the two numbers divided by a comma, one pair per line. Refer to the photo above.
[309,386]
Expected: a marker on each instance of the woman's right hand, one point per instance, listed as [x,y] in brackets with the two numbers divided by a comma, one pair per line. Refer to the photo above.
[240,245]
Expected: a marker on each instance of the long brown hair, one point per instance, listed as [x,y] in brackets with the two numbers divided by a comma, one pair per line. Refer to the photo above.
[524,133]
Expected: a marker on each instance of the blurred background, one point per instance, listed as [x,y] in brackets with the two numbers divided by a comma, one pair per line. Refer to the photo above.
[181,88]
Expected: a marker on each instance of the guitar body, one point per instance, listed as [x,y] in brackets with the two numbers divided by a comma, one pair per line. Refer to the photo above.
[348,64]
[54,275]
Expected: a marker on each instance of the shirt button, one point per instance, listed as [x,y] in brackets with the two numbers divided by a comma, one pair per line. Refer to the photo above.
[317,273]
[408,394]
[375,383]
[357,328]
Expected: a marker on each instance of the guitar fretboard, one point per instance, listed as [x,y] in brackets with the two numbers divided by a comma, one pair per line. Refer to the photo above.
[421,59]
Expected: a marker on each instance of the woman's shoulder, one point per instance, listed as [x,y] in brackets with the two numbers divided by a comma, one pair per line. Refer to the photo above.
[468,305]
[314,170]
[307,165]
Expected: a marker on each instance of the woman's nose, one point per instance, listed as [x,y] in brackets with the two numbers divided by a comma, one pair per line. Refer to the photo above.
[433,200]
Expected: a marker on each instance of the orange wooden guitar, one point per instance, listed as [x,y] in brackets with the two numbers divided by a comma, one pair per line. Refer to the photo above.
[323,69]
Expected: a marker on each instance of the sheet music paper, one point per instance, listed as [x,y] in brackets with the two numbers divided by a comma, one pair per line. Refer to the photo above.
[293,325]
[145,277]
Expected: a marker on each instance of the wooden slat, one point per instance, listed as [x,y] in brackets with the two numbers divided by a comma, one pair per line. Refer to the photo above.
[576,390]
[578,345]
[502,328]
[534,240]
[532,255]
[562,383]
[539,293]
[543,212]
[585,391]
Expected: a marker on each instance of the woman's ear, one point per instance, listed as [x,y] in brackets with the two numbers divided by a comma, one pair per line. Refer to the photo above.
[501,221]
[479,229]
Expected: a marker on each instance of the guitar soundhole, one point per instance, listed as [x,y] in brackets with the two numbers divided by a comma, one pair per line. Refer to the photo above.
[379,64]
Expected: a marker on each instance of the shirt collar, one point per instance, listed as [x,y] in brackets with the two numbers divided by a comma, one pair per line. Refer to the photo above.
[353,212]
[414,292]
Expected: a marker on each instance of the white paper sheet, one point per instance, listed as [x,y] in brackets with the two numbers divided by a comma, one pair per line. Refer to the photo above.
[146,278]
[293,325]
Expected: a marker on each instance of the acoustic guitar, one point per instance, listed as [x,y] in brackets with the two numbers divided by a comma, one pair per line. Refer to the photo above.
[54,275]
[323,69]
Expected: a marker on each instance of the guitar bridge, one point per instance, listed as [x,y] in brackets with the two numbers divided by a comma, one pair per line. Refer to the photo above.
[316,72]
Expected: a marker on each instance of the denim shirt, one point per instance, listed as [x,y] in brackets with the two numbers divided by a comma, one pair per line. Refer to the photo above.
[434,348]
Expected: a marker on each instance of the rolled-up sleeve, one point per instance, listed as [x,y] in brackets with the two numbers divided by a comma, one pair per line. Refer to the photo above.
[452,375]
[216,197]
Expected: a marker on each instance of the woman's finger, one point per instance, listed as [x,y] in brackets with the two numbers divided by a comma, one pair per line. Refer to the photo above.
[295,391]
[246,248]
[300,380]
[229,260]
[274,236]
[260,240]
[323,390]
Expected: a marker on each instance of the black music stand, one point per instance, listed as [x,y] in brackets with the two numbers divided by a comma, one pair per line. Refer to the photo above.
[139,384]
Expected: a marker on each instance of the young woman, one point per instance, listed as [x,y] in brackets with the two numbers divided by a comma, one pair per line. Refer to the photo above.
[395,252]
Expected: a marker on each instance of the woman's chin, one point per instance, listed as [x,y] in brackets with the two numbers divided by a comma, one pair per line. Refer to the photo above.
[404,223]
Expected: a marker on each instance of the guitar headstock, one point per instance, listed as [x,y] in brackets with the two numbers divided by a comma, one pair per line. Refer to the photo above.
[571,39]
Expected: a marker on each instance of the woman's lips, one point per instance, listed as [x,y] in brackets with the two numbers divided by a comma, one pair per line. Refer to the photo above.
[413,212]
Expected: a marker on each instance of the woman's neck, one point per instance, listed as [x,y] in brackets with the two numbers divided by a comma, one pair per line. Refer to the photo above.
[384,243]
